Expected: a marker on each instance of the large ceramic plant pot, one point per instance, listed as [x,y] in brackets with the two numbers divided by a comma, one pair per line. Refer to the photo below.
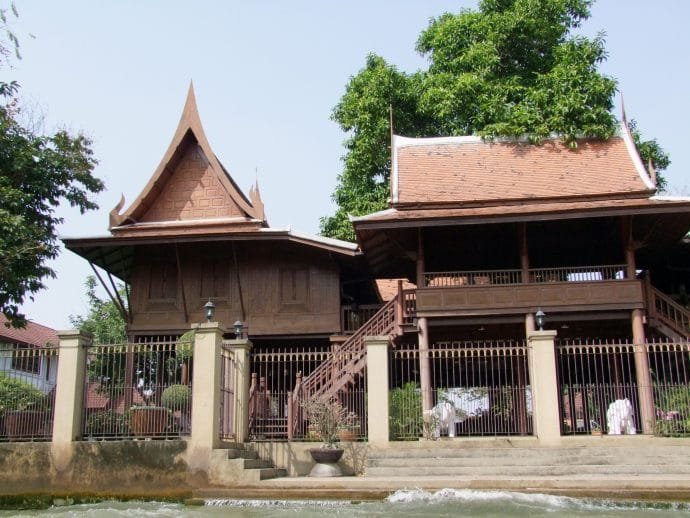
[147,421]
[25,423]
[326,462]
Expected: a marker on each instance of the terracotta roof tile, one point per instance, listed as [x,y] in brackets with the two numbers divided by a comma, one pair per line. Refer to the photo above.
[32,334]
[388,288]
[469,170]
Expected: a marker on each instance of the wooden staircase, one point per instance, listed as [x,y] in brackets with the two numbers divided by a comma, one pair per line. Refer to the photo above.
[665,314]
[344,367]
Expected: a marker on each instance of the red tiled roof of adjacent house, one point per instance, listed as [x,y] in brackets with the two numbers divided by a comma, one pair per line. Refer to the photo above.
[32,334]
[469,170]
[388,288]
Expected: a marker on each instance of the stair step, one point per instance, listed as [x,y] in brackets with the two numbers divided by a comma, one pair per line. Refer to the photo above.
[257,464]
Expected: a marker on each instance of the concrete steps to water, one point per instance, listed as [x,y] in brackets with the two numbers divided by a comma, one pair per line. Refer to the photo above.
[528,461]
[236,463]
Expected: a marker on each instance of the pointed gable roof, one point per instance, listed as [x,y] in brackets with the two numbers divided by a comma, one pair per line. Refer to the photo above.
[190,188]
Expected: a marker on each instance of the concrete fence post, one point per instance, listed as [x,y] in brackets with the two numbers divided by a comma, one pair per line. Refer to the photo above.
[205,436]
[545,391]
[240,350]
[69,393]
[377,389]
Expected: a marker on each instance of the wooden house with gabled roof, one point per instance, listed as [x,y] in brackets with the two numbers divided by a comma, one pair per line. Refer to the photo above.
[490,231]
[192,235]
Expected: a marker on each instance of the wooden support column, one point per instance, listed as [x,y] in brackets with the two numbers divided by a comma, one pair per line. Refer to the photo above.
[524,251]
[628,247]
[423,334]
[644,377]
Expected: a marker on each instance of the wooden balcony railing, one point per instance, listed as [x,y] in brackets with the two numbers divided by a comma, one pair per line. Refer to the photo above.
[355,316]
[536,275]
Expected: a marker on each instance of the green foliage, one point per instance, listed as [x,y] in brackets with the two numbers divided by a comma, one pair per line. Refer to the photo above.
[673,404]
[326,418]
[405,407]
[19,395]
[651,150]
[107,422]
[177,397]
[511,68]
[103,319]
[38,173]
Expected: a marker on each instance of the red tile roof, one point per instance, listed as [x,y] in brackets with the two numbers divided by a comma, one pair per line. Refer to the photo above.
[388,288]
[462,170]
[32,334]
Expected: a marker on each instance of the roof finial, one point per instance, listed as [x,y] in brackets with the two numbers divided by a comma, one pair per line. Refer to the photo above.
[623,116]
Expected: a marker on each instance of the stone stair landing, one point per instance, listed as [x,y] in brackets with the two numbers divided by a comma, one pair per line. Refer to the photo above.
[619,457]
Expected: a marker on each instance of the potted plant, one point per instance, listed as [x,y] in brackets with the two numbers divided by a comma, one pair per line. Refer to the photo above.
[148,420]
[177,399]
[347,432]
[326,418]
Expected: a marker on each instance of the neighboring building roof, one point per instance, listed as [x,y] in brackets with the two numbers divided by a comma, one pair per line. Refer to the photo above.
[33,334]
[469,170]
[388,288]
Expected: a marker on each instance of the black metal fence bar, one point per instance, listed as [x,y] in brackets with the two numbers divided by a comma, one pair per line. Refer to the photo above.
[227,394]
[27,392]
[669,365]
[275,374]
[478,388]
[593,376]
[138,390]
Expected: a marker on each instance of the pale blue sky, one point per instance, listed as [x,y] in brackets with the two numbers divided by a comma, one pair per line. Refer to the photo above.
[266,75]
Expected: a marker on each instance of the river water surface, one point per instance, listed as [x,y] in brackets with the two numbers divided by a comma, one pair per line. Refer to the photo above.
[402,504]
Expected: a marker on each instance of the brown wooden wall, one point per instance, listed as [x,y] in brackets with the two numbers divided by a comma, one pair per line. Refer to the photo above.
[285,288]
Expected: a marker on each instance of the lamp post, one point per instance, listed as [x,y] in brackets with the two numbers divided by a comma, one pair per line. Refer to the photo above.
[540,317]
[238,326]
[210,309]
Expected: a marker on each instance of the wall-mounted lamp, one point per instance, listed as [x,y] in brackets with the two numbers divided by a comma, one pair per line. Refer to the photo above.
[540,316]
[238,327]
[210,309]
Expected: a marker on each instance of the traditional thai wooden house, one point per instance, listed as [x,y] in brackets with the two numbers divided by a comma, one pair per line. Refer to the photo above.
[493,231]
[192,236]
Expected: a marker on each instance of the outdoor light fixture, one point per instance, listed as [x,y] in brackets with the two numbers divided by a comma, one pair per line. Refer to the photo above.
[540,319]
[238,326]
[210,309]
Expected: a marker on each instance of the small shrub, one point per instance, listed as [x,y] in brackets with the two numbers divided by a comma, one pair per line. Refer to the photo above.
[107,422]
[19,395]
[176,397]
[405,408]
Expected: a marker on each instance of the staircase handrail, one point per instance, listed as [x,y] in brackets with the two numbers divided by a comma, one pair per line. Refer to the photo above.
[667,310]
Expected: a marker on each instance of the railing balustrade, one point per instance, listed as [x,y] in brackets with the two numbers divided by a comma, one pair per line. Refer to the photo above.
[478,389]
[27,392]
[354,316]
[536,275]
[274,405]
[138,390]
[227,393]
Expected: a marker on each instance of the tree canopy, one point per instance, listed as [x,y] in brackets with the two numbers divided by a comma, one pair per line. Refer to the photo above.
[510,68]
[104,319]
[37,174]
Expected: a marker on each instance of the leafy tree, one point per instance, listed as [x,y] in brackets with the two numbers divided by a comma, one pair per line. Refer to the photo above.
[511,68]
[104,319]
[37,174]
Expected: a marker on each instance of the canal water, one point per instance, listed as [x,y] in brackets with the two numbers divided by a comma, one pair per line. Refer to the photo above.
[402,504]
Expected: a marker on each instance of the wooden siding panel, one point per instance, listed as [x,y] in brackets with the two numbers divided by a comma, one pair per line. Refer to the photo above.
[284,289]
[558,296]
